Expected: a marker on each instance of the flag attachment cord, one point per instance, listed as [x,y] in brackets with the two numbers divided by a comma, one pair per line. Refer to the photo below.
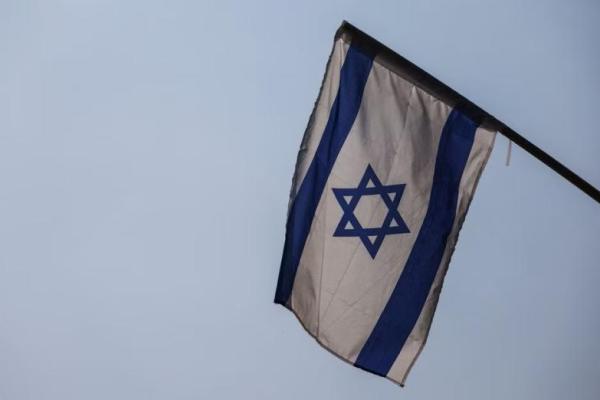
[508,152]
[412,73]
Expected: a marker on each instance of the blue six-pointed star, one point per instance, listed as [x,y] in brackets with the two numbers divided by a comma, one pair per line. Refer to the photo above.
[372,238]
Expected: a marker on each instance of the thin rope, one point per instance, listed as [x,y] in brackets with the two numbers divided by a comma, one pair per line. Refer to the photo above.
[508,152]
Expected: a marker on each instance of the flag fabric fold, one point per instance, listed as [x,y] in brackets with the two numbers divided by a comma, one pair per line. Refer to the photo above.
[384,177]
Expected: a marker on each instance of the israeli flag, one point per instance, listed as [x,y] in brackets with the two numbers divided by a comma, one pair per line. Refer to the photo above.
[383,181]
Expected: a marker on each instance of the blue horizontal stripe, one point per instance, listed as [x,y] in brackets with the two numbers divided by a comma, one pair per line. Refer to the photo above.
[353,78]
[406,302]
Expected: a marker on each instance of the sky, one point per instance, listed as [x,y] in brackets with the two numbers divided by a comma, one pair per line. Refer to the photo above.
[146,156]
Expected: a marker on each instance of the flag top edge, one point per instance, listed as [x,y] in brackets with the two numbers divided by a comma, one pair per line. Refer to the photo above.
[409,71]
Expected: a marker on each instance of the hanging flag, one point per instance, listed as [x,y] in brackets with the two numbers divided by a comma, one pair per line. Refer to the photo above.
[384,177]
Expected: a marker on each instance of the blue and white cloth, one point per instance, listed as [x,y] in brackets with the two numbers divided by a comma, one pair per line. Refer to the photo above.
[383,181]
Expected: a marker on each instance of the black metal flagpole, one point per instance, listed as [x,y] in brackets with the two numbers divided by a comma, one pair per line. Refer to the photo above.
[429,83]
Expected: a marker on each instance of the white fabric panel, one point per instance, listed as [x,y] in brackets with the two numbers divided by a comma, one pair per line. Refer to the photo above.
[341,303]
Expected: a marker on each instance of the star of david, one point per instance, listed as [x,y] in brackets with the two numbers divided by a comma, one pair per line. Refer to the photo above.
[369,185]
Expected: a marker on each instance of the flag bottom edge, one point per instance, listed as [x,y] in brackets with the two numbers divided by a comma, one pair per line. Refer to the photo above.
[333,352]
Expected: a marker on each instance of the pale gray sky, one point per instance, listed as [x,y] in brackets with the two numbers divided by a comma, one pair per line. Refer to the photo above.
[146,155]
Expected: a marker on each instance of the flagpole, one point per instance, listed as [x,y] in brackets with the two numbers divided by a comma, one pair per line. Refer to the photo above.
[411,72]
[550,161]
